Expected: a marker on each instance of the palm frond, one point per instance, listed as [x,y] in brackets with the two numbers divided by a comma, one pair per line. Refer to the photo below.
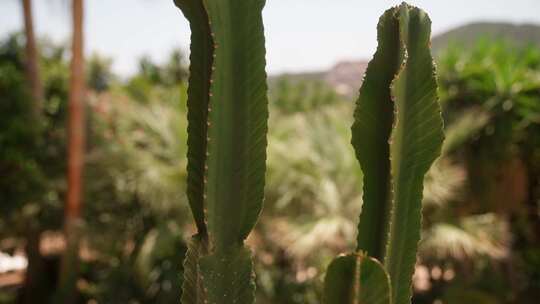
[475,236]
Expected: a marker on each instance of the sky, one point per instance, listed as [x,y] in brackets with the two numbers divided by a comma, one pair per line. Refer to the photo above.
[301,35]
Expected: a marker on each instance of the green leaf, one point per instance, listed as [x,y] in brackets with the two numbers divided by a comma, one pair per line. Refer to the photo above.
[415,143]
[200,70]
[228,277]
[356,279]
[237,121]
[192,287]
[373,119]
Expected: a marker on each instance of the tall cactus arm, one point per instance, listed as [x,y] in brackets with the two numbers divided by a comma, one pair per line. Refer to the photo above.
[227,113]
[373,119]
[415,143]
[397,134]
[356,279]
[200,70]
[237,121]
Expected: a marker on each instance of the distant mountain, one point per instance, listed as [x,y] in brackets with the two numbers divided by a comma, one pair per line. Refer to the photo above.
[346,76]
[467,35]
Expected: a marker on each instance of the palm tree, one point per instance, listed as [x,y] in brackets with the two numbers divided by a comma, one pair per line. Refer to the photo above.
[33,289]
[32,58]
[76,138]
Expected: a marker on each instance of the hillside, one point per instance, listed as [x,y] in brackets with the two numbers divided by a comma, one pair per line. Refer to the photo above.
[346,76]
[467,35]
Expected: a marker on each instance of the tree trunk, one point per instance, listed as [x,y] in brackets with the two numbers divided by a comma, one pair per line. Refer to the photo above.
[76,138]
[35,283]
[34,289]
[32,59]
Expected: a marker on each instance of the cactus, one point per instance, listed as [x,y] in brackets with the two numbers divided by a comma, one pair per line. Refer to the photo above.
[397,134]
[227,116]
[358,279]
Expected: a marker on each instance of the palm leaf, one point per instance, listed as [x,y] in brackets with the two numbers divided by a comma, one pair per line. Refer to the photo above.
[469,238]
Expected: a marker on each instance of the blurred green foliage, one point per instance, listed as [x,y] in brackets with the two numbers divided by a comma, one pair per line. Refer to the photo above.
[491,100]
[32,156]
[299,96]
[17,140]
[481,224]
[134,193]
